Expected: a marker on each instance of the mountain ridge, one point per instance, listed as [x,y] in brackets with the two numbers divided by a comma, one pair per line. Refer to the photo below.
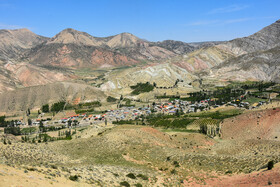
[72,49]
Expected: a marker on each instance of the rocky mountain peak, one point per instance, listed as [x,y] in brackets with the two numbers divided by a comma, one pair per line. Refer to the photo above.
[14,42]
[123,40]
[73,36]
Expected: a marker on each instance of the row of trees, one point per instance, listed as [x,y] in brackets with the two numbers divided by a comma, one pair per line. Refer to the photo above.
[221,95]
[261,86]
[4,123]
[12,130]
[56,107]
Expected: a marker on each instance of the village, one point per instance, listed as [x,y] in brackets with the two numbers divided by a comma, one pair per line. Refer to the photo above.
[63,115]
[174,107]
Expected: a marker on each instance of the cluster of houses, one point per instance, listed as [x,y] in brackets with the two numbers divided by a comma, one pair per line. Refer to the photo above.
[132,113]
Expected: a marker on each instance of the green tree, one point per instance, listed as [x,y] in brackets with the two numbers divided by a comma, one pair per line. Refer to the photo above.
[42,127]
[45,108]
[3,123]
[154,84]
[29,121]
[270,165]
[59,106]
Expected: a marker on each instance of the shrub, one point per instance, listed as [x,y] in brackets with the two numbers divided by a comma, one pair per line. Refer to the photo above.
[138,185]
[53,167]
[173,171]
[74,178]
[228,172]
[176,164]
[270,165]
[111,99]
[131,175]
[124,183]
[144,177]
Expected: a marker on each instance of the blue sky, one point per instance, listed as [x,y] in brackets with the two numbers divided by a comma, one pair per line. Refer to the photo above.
[154,20]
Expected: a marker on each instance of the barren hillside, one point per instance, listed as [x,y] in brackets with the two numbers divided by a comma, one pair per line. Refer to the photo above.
[264,124]
[36,96]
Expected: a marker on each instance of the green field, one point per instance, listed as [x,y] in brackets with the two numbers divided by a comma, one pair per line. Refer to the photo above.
[253,100]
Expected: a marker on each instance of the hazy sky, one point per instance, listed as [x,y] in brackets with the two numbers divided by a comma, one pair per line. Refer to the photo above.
[154,20]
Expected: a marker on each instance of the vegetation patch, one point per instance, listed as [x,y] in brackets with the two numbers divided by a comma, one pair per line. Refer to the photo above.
[28,130]
[143,177]
[125,183]
[111,99]
[131,175]
[74,177]
[217,114]
[170,123]
[141,88]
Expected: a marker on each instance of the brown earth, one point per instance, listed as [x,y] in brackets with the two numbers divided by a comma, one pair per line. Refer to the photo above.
[104,155]
[36,96]
[11,176]
[264,124]
[259,178]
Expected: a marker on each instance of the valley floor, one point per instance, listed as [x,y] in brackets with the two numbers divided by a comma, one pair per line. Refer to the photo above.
[137,155]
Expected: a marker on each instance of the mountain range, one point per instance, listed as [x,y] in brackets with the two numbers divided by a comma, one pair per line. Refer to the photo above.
[28,59]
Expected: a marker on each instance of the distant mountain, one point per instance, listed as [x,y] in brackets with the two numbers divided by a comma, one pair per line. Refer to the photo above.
[201,59]
[16,71]
[253,57]
[13,43]
[77,56]
[267,38]
[177,47]
[257,66]
[122,40]
[27,59]
[72,36]
[199,45]
[75,49]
